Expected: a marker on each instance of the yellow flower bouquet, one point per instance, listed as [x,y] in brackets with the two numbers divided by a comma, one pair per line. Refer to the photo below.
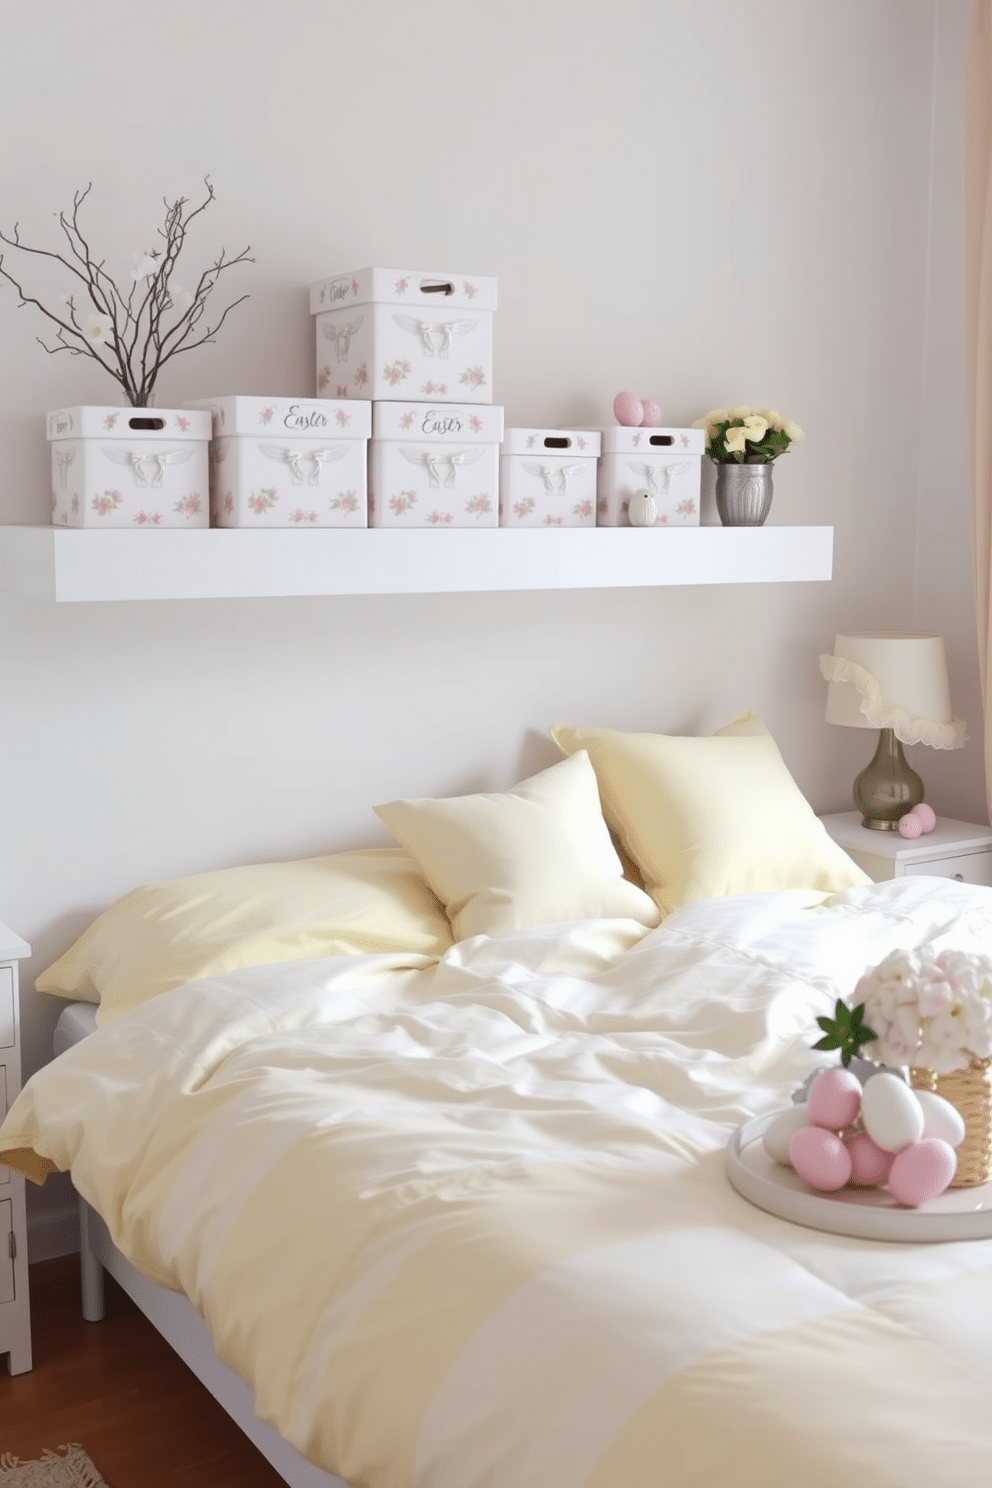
[743,436]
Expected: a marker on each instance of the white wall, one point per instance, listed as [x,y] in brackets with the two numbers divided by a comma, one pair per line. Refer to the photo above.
[707,202]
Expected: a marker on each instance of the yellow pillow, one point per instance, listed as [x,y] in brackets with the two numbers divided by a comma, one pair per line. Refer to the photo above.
[539,854]
[182,930]
[703,817]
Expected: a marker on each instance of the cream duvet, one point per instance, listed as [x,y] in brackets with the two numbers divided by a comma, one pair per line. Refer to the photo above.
[467,1223]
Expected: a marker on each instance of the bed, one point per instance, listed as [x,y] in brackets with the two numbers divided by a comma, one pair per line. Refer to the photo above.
[444,1202]
[170,1311]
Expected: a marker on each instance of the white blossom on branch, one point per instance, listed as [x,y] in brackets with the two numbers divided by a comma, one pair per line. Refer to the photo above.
[131,334]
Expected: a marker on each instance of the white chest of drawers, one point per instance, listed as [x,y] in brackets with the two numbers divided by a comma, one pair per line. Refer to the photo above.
[15,1305]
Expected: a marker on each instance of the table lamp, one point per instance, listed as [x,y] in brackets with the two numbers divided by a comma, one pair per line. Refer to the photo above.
[896,683]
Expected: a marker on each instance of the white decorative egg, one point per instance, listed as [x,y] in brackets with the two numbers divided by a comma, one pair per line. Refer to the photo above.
[890,1112]
[641,509]
[940,1118]
[781,1131]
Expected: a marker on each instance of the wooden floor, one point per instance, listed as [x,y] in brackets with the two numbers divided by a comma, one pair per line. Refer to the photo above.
[117,1388]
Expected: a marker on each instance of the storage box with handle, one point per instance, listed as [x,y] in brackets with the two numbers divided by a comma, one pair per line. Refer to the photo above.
[667,463]
[547,477]
[129,467]
[405,334]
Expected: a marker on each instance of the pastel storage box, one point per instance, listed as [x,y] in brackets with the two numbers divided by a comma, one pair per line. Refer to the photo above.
[402,333]
[434,465]
[288,462]
[547,478]
[129,467]
[666,462]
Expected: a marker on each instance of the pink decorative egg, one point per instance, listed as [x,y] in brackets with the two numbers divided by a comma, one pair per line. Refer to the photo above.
[910,825]
[652,413]
[628,409]
[820,1157]
[926,815]
[870,1164]
[922,1171]
[834,1099]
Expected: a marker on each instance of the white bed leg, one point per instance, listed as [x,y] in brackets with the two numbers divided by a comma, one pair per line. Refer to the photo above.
[90,1269]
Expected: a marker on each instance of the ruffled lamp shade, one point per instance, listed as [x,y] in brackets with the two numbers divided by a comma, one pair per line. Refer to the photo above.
[896,683]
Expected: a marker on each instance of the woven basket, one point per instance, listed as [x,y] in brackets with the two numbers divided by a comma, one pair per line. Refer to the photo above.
[970,1090]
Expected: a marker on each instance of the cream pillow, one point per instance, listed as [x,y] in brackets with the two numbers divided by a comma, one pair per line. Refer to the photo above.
[538,854]
[703,817]
[164,934]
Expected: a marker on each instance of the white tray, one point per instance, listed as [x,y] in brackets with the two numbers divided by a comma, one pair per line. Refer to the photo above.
[870,1214]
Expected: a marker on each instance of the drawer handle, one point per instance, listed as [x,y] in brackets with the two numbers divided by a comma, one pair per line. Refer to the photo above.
[959,878]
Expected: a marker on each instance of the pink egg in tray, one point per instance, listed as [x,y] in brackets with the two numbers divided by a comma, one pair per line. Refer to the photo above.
[884,1134]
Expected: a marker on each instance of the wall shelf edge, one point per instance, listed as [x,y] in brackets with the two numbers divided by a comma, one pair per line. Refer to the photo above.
[72,565]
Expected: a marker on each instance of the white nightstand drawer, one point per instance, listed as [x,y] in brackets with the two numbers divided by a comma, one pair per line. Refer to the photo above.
[973,868]
[6,1007]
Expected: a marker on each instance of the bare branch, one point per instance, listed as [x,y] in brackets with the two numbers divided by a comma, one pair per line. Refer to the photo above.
[147,326]
[15,242]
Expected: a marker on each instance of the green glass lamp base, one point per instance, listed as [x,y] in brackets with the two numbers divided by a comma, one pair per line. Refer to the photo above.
[887,787]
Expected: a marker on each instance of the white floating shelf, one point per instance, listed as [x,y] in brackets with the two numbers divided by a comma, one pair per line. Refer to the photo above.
[71,565]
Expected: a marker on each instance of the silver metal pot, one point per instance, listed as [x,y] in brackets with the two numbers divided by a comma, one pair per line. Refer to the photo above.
[743,494]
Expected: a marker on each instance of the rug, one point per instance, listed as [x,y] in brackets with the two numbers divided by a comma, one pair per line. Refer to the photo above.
[67,1467]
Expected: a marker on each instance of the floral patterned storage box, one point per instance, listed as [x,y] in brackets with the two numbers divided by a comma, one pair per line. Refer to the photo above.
[434,465]
[402,333]
[288,462]
[547,478]
[666,462]
[129,467]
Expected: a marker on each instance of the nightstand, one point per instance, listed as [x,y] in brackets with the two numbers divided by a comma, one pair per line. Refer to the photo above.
[15,1304]
[954,849]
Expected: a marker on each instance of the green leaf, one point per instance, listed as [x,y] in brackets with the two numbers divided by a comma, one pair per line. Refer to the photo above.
[845,1031]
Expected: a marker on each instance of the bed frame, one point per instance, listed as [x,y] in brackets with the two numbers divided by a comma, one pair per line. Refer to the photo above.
[181,1326]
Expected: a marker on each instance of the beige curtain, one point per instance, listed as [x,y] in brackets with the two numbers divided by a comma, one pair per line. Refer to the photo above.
[978,291]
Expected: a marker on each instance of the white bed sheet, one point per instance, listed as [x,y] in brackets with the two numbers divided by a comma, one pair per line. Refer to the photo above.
[75,1022]
[471,1225]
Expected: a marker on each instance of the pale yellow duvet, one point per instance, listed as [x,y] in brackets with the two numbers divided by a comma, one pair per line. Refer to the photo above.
[467,1223]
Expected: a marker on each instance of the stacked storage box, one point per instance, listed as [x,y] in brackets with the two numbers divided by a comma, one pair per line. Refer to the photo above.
[434,465]
[126,467]
[665,462]
[547,478]
[400,333]
[288,462]
[420,346]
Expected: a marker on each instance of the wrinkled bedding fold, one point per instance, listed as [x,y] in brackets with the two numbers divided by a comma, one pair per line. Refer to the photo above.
[466,1222]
